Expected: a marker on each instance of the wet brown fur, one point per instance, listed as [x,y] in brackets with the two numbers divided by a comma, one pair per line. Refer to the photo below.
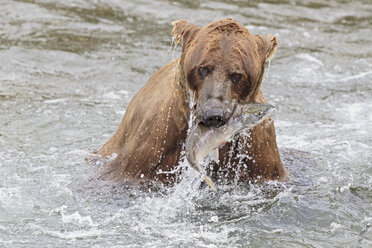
[150,137]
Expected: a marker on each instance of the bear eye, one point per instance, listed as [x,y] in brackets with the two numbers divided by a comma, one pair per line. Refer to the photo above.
[203,71]
[236,77]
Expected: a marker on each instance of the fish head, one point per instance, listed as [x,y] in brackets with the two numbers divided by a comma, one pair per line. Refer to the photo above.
[255,113]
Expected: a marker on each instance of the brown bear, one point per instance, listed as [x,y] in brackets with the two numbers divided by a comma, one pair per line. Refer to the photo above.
[222,65]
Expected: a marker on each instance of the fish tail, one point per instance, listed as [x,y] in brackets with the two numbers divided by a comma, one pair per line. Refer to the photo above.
[210,183]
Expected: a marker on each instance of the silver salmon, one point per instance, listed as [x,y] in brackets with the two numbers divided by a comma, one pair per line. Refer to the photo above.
[203,140]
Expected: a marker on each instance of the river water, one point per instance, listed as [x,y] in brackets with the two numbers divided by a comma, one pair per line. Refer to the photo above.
[68,69]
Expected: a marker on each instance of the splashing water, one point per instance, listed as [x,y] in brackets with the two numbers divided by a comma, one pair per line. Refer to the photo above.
[69,69]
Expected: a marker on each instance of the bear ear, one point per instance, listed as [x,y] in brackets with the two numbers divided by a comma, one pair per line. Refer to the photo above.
[271,44]
[184,32]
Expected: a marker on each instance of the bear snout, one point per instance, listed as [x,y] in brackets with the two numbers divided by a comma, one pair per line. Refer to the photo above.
[213,118]
[214,112]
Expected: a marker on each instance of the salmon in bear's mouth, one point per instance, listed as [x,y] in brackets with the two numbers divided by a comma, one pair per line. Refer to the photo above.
[202,140]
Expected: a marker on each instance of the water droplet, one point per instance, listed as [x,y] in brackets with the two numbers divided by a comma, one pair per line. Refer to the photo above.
[214,218]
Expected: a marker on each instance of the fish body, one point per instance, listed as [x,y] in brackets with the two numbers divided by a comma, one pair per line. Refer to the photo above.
[202,140]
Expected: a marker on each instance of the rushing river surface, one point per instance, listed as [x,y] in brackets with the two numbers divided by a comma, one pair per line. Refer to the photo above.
[68,69]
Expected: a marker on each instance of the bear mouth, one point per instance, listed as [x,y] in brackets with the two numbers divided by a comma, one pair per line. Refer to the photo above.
[213,117]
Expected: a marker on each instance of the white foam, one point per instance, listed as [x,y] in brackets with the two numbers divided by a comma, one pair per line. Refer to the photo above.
[334,226]
[214,218]
[9,196]
[345,79]
[311,59]
[76,234]
[356,112]
[52,101]
[111,95]
[277,231]
[76,218]
[344,188]
[123,92]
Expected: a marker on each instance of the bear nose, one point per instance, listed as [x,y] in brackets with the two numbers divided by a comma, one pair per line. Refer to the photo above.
[214,120]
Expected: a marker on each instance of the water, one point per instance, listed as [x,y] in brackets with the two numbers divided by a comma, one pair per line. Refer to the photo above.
[69,68]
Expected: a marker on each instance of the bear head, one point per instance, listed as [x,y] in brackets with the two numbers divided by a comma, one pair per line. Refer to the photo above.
[222,64]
